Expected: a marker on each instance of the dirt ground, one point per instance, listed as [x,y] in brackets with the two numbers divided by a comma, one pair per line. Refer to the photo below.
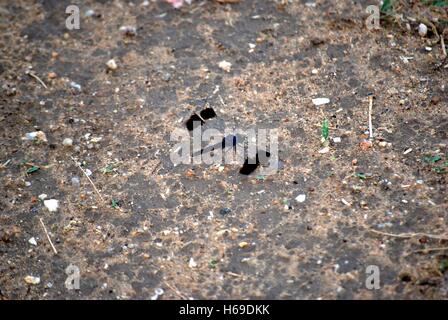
[160,226]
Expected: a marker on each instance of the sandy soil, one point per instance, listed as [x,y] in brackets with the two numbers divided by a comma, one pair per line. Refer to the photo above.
[166,230]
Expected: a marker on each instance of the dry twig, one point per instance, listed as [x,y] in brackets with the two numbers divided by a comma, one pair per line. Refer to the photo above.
[428,250]
[48,236]
[410,235]
[90,180]
[175,290]
[370,117]
[31,74]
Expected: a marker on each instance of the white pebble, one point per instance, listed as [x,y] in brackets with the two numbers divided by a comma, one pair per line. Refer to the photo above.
[32,241]
[225,65]
[67,142]
[422,29]
[36,135]
[111,64]
[52,205]
[192,264]
[321,101]
[301,198]
[43,196]
[75,181]
[324,150]
[32,280]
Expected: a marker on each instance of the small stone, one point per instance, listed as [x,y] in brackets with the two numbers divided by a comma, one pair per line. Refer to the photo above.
[192,264]
[422,30]
[301,198]
[324,150]
[166,76]
[382,144]
[32,280]
[35,136]
[52,75]
[365,145]
[337,139]
[67,142]
[88,172]
[225,65]
[243,244]
[27,184]
[75,85]
[128,30]
[32,241]
[407,151]
[75,181]
[320,101]
[52,205]
[111,64]
[224,211]
[90,13]
[43,196]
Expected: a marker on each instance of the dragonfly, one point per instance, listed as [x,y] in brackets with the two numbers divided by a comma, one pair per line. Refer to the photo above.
[199,119]
[250,164]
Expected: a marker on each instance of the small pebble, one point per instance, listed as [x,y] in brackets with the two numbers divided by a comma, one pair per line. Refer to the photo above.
[166,76]
[43,196]
[224,211]
[67,142]
[35,136]
[32,241]
[32,280]
[128,30]
[192,264]
[337,140]
[301,198]
[225,65]
[90,13]
[320,101]
[243,244]
[75,85]
[111,64]
[422,29]
[324,150]
[75,181]
[52,205]
[365,145]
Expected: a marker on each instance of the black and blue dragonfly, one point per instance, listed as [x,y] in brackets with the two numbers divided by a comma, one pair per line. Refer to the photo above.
[250,164]
[199,119]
